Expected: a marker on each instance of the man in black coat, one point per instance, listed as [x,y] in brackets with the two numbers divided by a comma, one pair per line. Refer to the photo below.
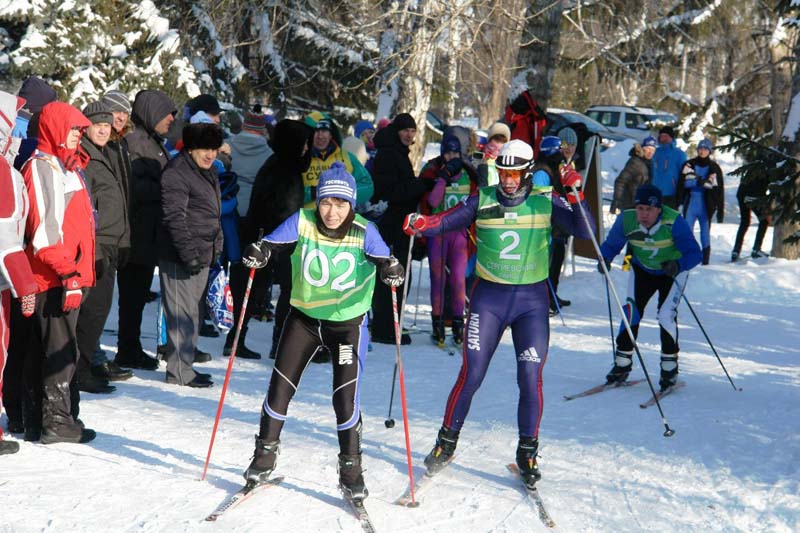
[153,112]
[635,173]
[277,194]
[109,200]
[189,241]
[395,183]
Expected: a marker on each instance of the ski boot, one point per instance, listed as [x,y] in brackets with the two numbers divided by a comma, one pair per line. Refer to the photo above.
[438,330]
[458,331]
[442,451]
[623,363]
[351,479]
[757,254]
[264,459]
[526,460]
[669,371]
[734,256]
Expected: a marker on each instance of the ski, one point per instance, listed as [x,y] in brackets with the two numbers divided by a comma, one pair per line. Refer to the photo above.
[444,347]
[250,488]
[534,498]
[420,487]
[660,394]
[357,506]
[601,388]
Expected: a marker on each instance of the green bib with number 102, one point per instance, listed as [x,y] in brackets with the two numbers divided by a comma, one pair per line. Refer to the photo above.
[513,242]
[331,279]
[454,193]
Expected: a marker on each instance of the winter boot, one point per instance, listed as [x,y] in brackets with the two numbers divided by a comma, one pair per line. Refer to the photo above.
[623,363]
[458,331]
[263,463]
[351,479]
[242,351]
[734,256]
[756,254]
[526,460]
[8,447]
[706,255]
[442,452]
[66,431]
[669,371]
[438,330]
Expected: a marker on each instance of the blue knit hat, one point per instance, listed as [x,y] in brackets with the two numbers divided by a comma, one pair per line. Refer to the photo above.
[648,195]
[450,143]
[362,126]
[336,182]
[568,136]
[649,141]
[705,143]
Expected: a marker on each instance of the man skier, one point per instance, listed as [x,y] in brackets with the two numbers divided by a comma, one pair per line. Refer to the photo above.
[663,249]
[513,231]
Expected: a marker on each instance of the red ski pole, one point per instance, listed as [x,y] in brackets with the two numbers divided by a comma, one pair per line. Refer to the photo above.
[399,364]
[230,366]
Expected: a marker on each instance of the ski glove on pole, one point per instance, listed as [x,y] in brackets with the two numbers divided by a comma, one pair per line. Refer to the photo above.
[392,272]
[571,180]
[670,268]
[414,224]
[256,255]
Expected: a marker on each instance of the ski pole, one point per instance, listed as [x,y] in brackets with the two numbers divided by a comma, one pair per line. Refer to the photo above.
[399,366]
[610,320]
[230,364]
[419,283]
[389,422]
[685,299]
[668,432]
[555,300]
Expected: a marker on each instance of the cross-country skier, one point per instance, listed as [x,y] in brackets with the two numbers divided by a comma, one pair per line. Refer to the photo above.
[513,231]
[663,249]
[333,276]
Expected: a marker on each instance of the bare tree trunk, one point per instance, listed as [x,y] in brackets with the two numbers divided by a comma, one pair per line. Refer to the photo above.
[537,56]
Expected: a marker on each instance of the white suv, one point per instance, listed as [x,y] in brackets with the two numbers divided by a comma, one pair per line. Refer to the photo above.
[636,122]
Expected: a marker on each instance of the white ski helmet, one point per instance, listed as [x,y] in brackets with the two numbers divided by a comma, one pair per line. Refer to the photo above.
[515,155]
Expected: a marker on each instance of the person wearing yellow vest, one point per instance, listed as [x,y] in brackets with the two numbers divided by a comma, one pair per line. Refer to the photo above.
[326,149]
[513,232]
[333,276]
[663,249]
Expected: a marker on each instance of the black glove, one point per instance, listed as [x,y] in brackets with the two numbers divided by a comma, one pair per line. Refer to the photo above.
[195,266]
[123,254]
[429,184]
[453,168]
[256,255]
[608,265]
[392,272]
[100,267]
[670,268]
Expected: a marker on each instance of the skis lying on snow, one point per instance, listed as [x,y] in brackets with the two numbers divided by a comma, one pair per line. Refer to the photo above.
[250,488]
[660,394]
[357,506]
[421,486]
[534,498]
[602,388]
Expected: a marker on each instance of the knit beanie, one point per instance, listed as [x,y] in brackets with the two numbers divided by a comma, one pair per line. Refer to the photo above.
[404,121]
[117,101]
[500,128]
[568,136]
[668,130]
[255,122]
[98,112]
[648,195]
[336,182]
[362,126]
[37,93]
[450,143]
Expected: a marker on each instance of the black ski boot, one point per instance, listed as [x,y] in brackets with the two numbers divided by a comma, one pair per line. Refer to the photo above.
[458,331]
[442,451]
[526,460]
[264,459]
[438,330]
[623,363]
[669,371]
[734,256]
[351,479]
[757,254]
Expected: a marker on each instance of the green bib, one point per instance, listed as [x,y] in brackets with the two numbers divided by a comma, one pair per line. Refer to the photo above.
[651,249]
[331,279]
[513,242]
[454,193]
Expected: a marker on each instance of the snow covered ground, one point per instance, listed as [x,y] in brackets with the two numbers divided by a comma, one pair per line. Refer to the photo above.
[732,464]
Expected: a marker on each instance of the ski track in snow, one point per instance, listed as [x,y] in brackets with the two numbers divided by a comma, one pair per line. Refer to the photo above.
[731,465]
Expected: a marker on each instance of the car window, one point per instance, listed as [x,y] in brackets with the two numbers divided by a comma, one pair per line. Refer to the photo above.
[606,118]
[633,120]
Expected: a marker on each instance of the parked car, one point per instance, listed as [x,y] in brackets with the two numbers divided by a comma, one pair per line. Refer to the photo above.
[633,121]
[558,118]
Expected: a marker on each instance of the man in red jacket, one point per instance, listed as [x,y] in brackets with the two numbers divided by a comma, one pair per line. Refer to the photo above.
[60,231]
[16,278]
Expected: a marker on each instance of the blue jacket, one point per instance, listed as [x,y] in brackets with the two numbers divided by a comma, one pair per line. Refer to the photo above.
[667,164]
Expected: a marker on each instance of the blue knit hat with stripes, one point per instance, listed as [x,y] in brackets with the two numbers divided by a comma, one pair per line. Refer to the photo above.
[336,182]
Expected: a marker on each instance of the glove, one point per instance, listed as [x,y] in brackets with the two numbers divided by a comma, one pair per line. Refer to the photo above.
[670,268]
[71,282]
[72,291]
[123,254]
[711,182]
[688,170]
[256,255]
[600,267]
[571,179]
[414,224]
[100,267]
[392,273]
[195,267]
[28,304]
[453,167]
